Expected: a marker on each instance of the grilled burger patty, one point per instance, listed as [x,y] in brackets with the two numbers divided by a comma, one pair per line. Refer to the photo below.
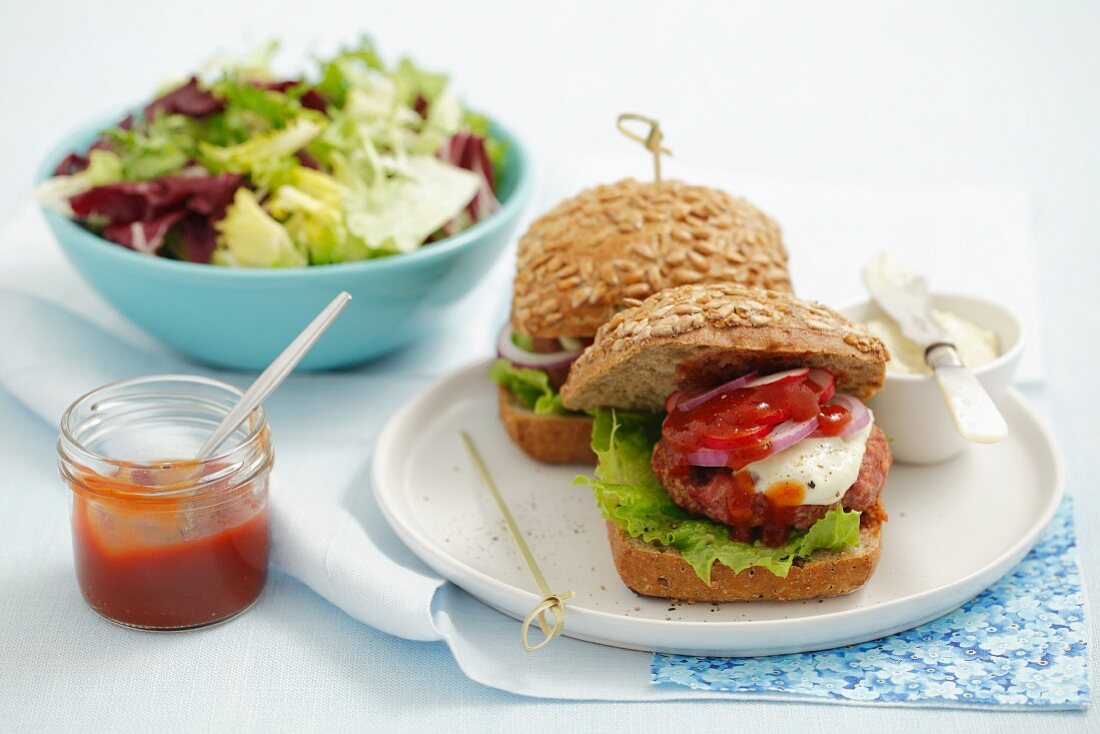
[711,491]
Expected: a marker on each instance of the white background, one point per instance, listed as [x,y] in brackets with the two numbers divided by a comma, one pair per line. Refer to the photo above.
[999,93]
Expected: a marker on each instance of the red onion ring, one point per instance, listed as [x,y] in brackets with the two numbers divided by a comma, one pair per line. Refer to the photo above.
[671,400]
[507,349]
[784,376]
[783,436]
[861,416]
[788,433]
[720,390]
[753,379]
[708,457]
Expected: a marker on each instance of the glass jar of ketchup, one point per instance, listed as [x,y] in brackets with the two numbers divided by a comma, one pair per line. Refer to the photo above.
[162,541]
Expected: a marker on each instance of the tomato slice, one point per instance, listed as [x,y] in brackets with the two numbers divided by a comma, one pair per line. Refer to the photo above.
[740,421]
[731,437]
[755,413]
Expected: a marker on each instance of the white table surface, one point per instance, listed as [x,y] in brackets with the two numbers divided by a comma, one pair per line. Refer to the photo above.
[940,93]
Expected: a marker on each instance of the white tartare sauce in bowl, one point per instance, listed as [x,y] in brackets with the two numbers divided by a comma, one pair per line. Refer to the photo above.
[976,345]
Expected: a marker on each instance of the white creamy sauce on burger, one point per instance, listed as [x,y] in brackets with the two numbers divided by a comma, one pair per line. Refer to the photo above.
[976,345]
[825,467]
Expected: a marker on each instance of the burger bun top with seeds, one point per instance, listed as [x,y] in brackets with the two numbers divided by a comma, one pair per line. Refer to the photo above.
[610,246]
[701,336]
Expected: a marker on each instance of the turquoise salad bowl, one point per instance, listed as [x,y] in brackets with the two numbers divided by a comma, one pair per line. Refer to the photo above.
[238,318]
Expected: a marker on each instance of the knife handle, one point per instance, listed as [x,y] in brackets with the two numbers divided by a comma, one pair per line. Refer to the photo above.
[973,411]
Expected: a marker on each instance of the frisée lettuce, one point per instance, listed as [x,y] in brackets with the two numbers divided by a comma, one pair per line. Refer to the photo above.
[630,495]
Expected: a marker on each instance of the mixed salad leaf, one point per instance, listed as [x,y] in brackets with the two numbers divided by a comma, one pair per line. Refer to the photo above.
[242,168]
[629,494]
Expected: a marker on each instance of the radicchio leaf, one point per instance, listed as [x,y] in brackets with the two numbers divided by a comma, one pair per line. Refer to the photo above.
[197,237]
[188,100]
[308,160]
[144,236]
[131,201]
[311,99]
[72,163]
[75,163]
[140,215]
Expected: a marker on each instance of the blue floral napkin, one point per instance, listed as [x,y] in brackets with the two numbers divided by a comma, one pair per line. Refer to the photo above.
[1021,643]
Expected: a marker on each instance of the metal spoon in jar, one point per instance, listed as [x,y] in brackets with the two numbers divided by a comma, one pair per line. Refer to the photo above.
[274,375]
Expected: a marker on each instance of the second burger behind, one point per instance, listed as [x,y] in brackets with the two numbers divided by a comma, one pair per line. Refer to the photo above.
[597,253]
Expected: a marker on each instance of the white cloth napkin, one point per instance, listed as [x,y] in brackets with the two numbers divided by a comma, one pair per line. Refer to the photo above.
[48,366]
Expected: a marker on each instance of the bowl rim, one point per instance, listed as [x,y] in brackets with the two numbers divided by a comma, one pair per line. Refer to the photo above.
[1007,357]
[65,226]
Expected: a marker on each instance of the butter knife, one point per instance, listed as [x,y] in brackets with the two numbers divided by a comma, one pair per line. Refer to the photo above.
[904,297]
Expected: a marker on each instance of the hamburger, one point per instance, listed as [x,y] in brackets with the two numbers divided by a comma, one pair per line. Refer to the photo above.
[593,255]
[736,459]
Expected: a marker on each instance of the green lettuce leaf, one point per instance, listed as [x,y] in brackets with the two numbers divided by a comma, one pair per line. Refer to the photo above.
[250,110]
[523,341]
[248,237]
[551,404]
[426,137]
[310,206]
[154,148]
[623,444]
[376,127]
[629,494]
[531,387]
[416,82]
[403,211]
[265,156]
[349,65]
[254,64]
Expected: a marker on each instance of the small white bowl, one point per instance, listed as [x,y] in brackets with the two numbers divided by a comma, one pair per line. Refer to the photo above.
[911,409]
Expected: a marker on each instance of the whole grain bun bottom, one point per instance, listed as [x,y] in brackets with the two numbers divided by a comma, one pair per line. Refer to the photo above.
[654,570]
[552,439]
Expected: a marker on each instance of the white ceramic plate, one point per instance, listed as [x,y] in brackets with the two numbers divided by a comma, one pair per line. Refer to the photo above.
[954,529]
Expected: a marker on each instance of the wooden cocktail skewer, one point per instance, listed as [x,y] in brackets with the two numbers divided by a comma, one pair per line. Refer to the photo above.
[651,141]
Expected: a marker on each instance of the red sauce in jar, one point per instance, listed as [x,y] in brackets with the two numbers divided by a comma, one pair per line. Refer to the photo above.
[167,564]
